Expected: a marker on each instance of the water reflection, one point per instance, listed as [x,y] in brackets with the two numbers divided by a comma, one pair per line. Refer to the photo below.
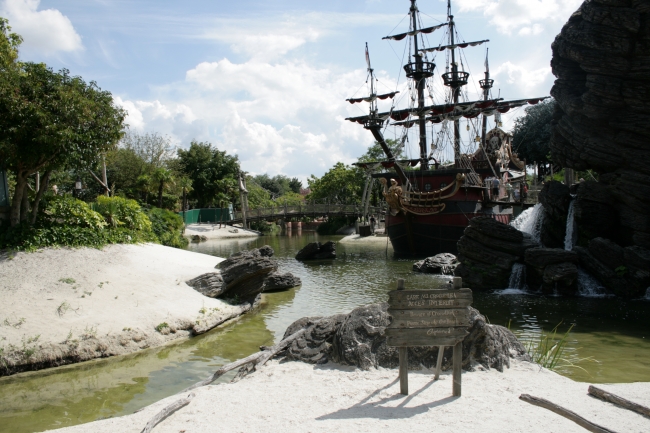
[614,332]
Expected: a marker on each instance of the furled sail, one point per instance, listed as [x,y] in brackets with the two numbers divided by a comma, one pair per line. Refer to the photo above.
[372,97]
[425,30]
[451,47]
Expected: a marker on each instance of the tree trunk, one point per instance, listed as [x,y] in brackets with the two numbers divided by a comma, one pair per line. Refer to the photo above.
[24,204]
[16,202]
[160,190]
[184,200]
[39,194]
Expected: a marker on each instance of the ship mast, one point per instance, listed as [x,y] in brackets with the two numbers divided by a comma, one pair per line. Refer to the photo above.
[486,85]
[420,77]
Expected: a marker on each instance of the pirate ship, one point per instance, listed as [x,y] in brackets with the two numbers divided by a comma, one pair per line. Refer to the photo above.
[431,199]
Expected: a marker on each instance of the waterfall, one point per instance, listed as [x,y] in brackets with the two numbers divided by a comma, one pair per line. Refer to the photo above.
[530,221]
[570,227]
[647,294]
[588,286]
[518,277]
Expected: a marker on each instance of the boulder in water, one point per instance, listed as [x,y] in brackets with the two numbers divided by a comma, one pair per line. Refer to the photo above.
[316,251]
[245,272]
[277,282]
[443,263]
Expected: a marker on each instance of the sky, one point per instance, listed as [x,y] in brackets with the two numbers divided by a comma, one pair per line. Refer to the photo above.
[267,79]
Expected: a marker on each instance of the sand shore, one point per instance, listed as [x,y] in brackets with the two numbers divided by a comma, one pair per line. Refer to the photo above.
[297,397]
[61,306]
[212,231]
[354,238]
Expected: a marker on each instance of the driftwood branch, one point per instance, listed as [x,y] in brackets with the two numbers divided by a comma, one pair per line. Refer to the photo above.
[565,413]
[619,401]
[101,182]
[259,358]
[166,412]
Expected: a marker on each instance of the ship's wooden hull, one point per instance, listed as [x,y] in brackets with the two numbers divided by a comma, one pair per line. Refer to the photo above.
[428,235]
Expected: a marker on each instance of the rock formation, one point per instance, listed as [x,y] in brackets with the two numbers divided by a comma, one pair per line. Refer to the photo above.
[245,272]
[443,263]
[277,282]
[601,60]
[316,251]
[552,270]
[358,339]
[210,284]
[555,198]
[487,251]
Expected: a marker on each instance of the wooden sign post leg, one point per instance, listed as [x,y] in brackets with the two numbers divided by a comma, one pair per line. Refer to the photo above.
[441,350]
[458,364]
[404,370]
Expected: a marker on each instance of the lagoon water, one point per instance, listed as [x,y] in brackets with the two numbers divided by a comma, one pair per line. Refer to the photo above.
[610,341]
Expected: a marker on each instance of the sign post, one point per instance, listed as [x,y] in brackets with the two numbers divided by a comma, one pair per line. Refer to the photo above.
[429,318]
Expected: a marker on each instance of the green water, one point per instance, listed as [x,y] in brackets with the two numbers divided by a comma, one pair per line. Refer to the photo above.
[613,333]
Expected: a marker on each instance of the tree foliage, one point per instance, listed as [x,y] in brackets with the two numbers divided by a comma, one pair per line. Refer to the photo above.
[532,133]
[341,184]
[207,167]
[51,121]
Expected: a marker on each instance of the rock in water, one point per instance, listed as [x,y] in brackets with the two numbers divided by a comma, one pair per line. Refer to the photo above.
[210,284]
[277,282]
[316,251]
[245,272]
[552,270]
[487,251]
[443,263]
[358,339]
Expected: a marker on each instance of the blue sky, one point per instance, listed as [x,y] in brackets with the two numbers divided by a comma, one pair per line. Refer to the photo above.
[267,80]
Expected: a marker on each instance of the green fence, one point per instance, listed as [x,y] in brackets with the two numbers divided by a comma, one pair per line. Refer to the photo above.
[198,216]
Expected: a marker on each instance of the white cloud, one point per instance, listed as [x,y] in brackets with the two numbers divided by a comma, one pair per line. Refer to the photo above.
[47,31]
[529,81]
[510,15]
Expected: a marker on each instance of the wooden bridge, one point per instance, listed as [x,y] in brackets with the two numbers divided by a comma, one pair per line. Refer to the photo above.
[312,210]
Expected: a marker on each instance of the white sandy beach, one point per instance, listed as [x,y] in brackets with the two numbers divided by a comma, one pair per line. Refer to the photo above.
[87,303]
[297,397]
[212,231]
[354,238]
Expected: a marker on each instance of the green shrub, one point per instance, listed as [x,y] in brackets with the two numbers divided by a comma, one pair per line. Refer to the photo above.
[120,211]
[69,211]
[168,227]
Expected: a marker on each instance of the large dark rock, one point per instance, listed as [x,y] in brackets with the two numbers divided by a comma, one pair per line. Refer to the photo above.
[276,282]
[210,284]
[316,251]
[555,199]
[560,278]
[358,339]
[542,257]
[601,60]
[244,273]
[443,263]
[487,251]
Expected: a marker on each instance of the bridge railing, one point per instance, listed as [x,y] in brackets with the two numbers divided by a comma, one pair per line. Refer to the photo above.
[313,210]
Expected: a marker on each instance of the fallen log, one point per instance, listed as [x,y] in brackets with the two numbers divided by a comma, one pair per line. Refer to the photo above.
[619,401]
[259,358]
[166,412]
[565,413]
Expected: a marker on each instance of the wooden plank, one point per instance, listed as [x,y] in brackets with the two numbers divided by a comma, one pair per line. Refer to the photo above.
[416,295]
[404,370]
[441,351]
[424,304]
[397,313]
[400,319]
[425,336]
[458,363]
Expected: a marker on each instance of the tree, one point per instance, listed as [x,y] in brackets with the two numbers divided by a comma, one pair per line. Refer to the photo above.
[206,166]
[376,153]
[185,183]
[532,133]
[51,121]
[9,43]
[162,177]
[295,185]
[341,184]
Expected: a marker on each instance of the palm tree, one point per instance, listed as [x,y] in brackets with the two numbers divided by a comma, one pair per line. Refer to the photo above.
[186,184]
[144,185]
[163,177]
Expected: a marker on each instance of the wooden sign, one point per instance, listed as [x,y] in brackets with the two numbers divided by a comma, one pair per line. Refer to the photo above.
[429,318]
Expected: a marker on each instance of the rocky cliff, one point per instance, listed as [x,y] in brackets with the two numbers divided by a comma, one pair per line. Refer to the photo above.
[601,60]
